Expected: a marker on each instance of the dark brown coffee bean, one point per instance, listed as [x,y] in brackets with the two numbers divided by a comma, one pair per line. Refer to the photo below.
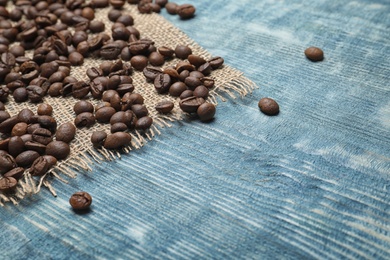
[196,60]
[177,88]
[8,59]
[83,106]
[139,47]
[172,72]
[128,117]
[19,129]
[42,136]
[95,42]
[17,50]
[33,126]
[15,146]
[117,140]
[26,137]
[45,109]
[268,106]
[150,73]
[182,51]
[207,82]
[2,107]
[16,173]
[80,200]
[216,62]
[192,82]
[118,127]
[166,51]
[35,146]
[8,184]
[60,150]
[205,69]
[25,115]
[191,104]
[51,160]
[48,122]
[139,62]
[39,166]
[125,88]
[26,158]
[114,14]
[206,111]
[4,115]
[156,59]
[171,7]
[76,59]
[85,119]
[139,110]
[104,114]
[55,89]
[66,132]
[80,89]
[7,125]
[96,26]
[110,51]
[186,94]
[185,11]
[98,138]
[201,91]
[20,95]
[196,74]
[184,65]
[314,54]
[162,83]
[4,92]
[7,162]
[144,123]
[93,73]
[164,106]
[113,82]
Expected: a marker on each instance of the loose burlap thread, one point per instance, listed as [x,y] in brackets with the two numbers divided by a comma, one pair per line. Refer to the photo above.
[155,27]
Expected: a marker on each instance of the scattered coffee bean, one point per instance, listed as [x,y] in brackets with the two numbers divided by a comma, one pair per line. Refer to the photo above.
[98,138]
[191,104]
[117,140]
[8,184]
[164,106]
[66,132]
[58,149]
[185,11]
[206,111]
[314,54]
[268,106]
[80,200]
[182,51]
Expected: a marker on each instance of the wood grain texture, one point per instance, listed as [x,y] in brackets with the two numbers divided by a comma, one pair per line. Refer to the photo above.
[310,183]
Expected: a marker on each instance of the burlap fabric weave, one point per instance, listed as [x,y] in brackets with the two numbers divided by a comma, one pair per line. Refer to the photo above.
[229,82]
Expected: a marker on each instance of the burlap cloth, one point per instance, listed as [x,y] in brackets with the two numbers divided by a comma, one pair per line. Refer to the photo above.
[228,82]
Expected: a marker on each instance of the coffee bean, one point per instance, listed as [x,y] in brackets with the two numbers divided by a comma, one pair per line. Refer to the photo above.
[186,94]
[7,125]
[139,62]
[76,59]
[26,158]
[196,74]
[4,115]
[93,73]
[144,123]
[164,106]
[118,127]
[85,119]
[15,146]
[35,146]
[191,104]
[45,109]
[48,122]
[117,140]
[104,114]
[182,51]
[66,132]
[192,82]
[15,173]
[96,26]
[207,82]
[110,51]
[206,111]
[268,106]
[171,7]
[42,136]
[98,138]
[128,117]
[166,51]
[156,59]
[205,69]
[80,200]
[39,166]
[177,88]
[114,14]
[196,60]
[172,72]
[7,162]
[19,129]
[80,89]
[55,89]
[7,184]
[201,91]
[183,65]
[25,115]
[162,82]
[60,150]
[314,54]
[139,47]
[139,110]
[216,62]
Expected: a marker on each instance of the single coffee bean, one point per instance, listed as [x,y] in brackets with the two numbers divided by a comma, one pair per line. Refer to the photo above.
[8,184]
[55,89]
[39,166]
[85,119]
[42,136]
[19,129]
[205,69]
[26,158]
[45,109]
[177,88]
[192,82]
[26,137]
[15,146]
[206,111]
[93,73]
[139,47]
[196,60]
[139,62]
[125,88]
[110,51]
[104,114]
[139,110]
[216,62]
[201,91]
[171,7]
[25,115]
[128,117]
[117,140]
[314,54]
[166,52]
[80,89]
[118,127]
[60,150]
[191,104]
[48,122]
[114,14]
[184,65]
[66,132]
[164,106]
[156,59]
[4,115]
[7,125]
[76,59]
[186,94]
[98,138]
[172,72]
[51,160]
[20,95]
[196,74]
[96,26]
[35,146]
[207,82]
[162,82]
[182,51]
[144,123]
[83,106]
[15,173]
[185,11]
[80,200]
[7,162]
[268,106]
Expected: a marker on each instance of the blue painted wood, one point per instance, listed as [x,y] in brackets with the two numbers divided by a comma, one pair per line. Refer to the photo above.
[310,183]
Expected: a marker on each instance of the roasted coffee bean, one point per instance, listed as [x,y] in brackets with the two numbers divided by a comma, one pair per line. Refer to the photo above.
[4,115]
[85,119]
[95,42]
[314,54]
[26,137]
[66,132]
[80,200]
[15,173]
[83,106]
[115,102]
[35,146]
[185,11]
[184,65]
[192,82]
[15,146]
[206,111]
[201,91]
[104,114]
[45,110]
[76,59]
[80,89]
[125,88]
[8,59]
[196,74]
[4,92]
[164,106]
[186,94]
[139,47]
[216,62]
[144,123]
[110,51]
[19,129]
[4,144]
[182,51]
[183,75]
[196,60]
[8,184]
[207,82]
[128,117]
[139,110]
[150,73]
[156,59]
[7,162]
[96,26]
[25,115]
[98,138]
[2,107]
[48,122]
[118,127]
[7,125]
[55,89]
[114,14]
[60,150]
[113,82]
[17,50]
[268,106]
[42,136]
[139,62]
[205,69]
[117,140]
[191,104]
[79,36]
[83,48]
[93,73]
[107,95]
[20,95]
[32,127]
[39,166]
[171,7]
[115,66]
[51,160]
[172,72]
[96,89]
[162,82]
[26,158]
[166,51]
[120,33]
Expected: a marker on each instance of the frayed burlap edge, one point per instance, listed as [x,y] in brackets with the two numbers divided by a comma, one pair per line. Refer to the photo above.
[230,83]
